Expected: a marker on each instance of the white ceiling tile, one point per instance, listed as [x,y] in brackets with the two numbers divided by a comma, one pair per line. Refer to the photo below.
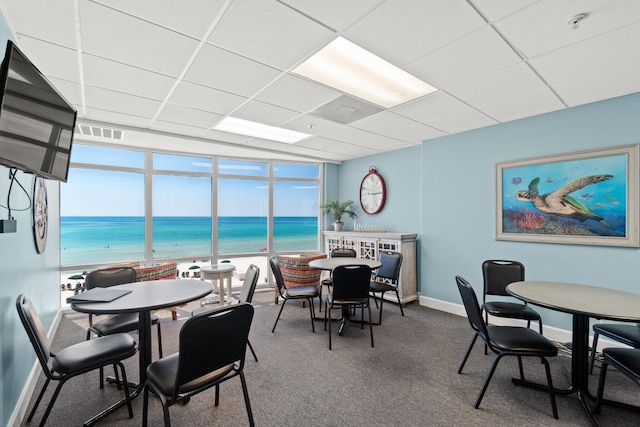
[226,136]
[596,87]
[324,144]
[383,143]
[124,78]
[590,56]
[325,11]
[434,105]
[52,60]
[524,105]
[465,59]
[261,112]
[69,90]
[178,129]
[205,98]
[116,118]
[460,121]
[219,69]
[543,27]
[273,25]
[123,38]
[53,24]
[418,27]
[501,84]
[326,128]
[297,94]
[172,14]
[188,116]
[121,103]
[497,9]
[383,123]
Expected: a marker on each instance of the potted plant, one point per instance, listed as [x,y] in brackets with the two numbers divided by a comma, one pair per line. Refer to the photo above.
[338,209]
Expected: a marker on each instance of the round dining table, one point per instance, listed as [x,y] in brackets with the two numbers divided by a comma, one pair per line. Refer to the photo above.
[143,298]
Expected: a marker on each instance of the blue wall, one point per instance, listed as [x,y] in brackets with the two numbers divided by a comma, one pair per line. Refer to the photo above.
[23,270]
[444,191]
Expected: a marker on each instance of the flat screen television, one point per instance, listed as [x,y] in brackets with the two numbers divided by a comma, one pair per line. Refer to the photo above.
[36,121]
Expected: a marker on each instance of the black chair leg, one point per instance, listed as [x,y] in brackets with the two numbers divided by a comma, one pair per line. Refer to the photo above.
[370,324]
[35,406]
[50,405]
[603,375]
[159,341]
[327,311]
[380,312]
[313,314]
[494,365]
[279,313]
[466,355]
[399,302]
[552,394]
[252,352]
[594,346]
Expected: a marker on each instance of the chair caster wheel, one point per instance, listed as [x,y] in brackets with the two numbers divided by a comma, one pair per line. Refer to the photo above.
[185,400]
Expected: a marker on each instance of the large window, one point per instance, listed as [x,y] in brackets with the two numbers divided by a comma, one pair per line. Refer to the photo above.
[130,205]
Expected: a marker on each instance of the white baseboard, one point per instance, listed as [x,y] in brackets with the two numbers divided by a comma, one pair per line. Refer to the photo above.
[27,391]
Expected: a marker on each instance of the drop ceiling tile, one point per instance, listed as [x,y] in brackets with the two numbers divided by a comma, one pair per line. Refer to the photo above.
[338,147]
[205,98]
[325,11]
[494,10]
[69,90]
[124,78]
[461,121]
[326,129]
[262,112]
[219,69]
[297,94]
[272,26]
[501,84]
[226,136]
[434,105]
[178,129]
[607,84]
[524,105]
[417,28]
[52,60]
[172,14]
[470,57]
[543,27]
[590,56]
[116,118]
[123,38]
[383,143]
[386,123]
[98,98]
[188,116]
[54,24]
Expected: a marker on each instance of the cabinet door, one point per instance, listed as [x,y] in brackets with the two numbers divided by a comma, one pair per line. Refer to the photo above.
[367,248]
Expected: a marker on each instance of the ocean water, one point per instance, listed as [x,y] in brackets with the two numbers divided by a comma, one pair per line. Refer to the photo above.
[86,240]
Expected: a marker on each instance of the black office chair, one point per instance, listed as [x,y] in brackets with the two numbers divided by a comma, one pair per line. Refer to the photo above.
[350,291]
[497,275]
[246,295]
[505,341]
[307,293]
[117,323]
[386,279]
[625,360]
[74,360]
[625,333]
[335,253]
[212,348]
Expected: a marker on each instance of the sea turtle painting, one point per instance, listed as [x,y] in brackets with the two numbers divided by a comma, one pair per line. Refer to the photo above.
[559,202]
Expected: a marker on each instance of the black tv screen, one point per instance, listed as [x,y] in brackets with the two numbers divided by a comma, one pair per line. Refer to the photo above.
[36,121]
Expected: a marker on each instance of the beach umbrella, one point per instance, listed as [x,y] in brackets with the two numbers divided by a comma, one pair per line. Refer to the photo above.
[194,267]
[76,277]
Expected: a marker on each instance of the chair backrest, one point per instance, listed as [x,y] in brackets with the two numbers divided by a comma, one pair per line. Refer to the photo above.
[472,307]
[107,277]
[33,326]
[250,283]
[498,274]
[391,263]
[343,253]
[277,273]
[212,340]
[351,282]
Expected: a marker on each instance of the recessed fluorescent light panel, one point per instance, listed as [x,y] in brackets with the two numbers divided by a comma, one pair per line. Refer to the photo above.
[348,67]
[259,130]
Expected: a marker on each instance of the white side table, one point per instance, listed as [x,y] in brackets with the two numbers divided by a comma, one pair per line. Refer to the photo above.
[218,274]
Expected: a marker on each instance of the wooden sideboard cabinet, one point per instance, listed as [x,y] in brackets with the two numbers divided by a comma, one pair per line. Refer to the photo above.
[368,245]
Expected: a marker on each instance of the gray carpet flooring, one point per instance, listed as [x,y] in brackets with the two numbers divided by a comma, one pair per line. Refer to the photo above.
[409,378]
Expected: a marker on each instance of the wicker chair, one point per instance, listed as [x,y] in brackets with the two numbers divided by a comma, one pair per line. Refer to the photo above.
[167,270]
[296,271]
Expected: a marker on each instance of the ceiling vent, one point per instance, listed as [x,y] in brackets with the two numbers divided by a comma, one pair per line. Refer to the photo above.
[99,132]
[345,109]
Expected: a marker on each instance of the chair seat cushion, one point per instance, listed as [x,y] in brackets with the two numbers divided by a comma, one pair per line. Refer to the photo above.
[521,340]
[376,286]
[628,334]
[162,373]
[302,292]
[350,301]
[624,359]
[91,354]
[118,323]
[511,310]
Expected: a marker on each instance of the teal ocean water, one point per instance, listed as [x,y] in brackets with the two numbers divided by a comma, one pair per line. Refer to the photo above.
[86,240]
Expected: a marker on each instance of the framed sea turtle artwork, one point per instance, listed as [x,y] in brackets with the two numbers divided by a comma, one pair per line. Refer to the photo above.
[585,198]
